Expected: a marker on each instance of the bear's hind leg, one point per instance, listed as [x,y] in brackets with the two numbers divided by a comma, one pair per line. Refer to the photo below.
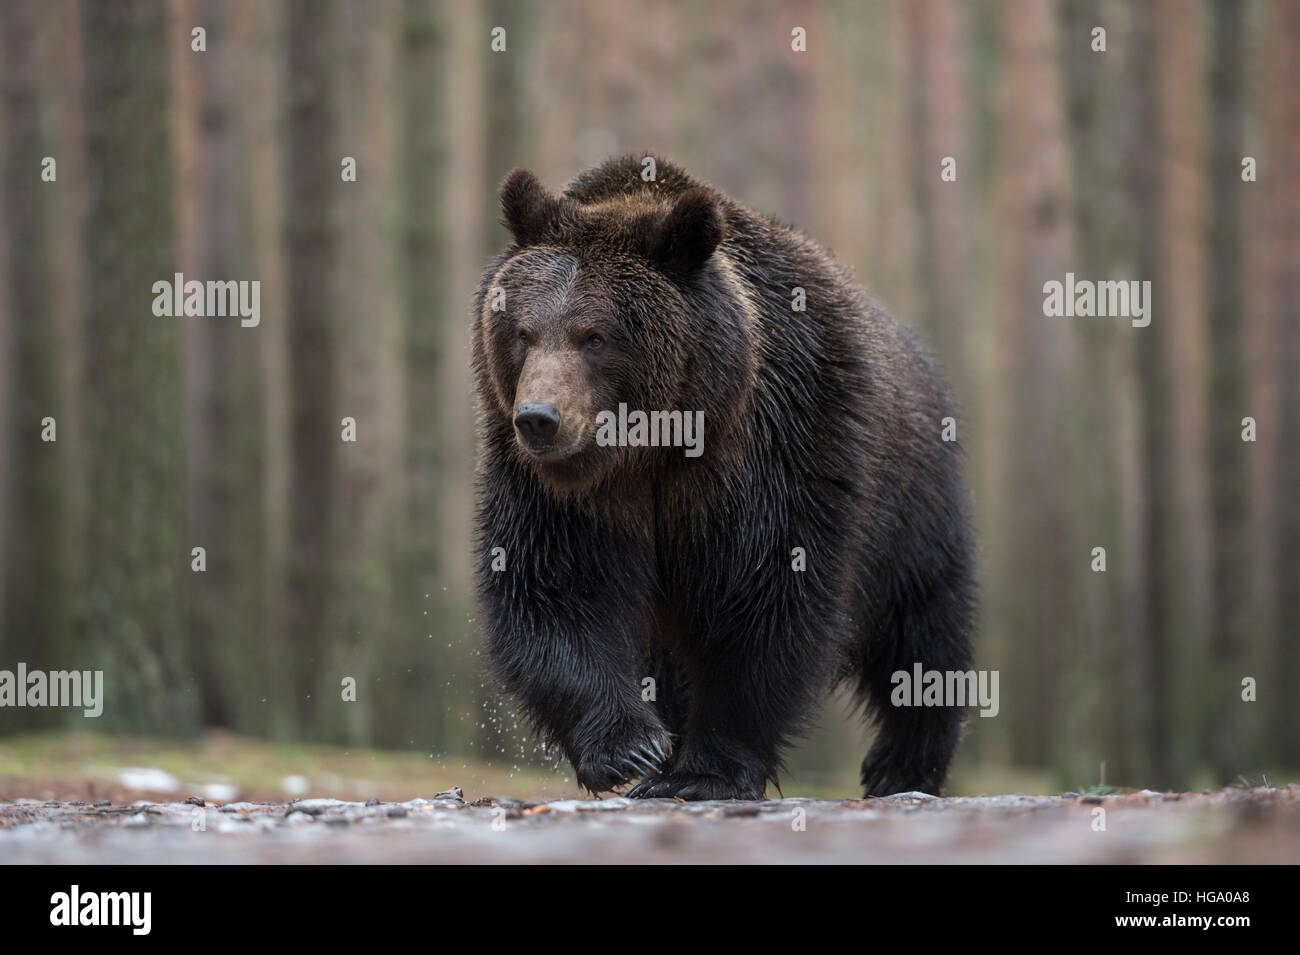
[928,621]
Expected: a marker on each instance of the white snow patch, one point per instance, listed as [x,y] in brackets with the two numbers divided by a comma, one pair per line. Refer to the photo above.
[136,777]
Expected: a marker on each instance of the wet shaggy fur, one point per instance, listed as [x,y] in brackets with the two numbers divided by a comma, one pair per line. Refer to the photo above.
[601,568]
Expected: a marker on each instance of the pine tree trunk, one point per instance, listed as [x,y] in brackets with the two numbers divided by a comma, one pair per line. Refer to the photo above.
[313,225]
[1230,556]
[137,544]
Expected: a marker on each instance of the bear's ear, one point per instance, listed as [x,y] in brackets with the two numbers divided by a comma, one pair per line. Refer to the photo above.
[527,209]
[683,241]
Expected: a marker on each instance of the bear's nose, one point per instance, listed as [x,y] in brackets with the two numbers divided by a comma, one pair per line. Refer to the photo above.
[537,421]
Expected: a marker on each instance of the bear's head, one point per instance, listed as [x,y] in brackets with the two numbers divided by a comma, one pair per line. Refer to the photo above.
[620,300]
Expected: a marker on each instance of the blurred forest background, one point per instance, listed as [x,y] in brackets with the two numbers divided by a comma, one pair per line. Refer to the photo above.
[328,559]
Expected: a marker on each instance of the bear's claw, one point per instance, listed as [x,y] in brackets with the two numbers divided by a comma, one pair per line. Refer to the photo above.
[608,771]
[693,787]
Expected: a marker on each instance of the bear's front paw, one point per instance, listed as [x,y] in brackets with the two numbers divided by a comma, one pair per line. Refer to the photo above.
[696,787]
[608,767]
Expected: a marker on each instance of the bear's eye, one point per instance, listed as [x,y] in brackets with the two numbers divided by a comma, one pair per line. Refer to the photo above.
[594,341]
[523,337]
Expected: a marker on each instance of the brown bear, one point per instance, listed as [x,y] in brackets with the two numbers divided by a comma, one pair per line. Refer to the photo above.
[672,613]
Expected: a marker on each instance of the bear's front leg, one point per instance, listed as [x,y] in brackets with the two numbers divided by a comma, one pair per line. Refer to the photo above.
[752,691]
[579,683]
[563,608]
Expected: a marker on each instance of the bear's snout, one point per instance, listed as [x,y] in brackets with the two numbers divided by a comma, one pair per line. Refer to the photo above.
[551,403]
[537,423]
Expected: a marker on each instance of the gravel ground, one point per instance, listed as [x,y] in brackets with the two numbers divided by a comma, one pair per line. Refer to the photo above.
[1234,825]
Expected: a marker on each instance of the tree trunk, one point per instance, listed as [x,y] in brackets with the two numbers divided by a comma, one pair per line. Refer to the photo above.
[1037,551]
[136,539]
[313,225]
[1278,687]
[1230,554]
